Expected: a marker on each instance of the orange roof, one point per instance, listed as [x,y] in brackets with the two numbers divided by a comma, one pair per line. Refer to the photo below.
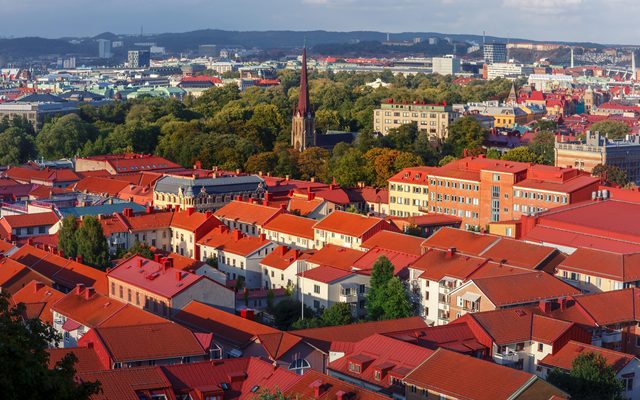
[149,221]
[127,383]
[46,192]
[248,213]
[564,357]
[304,206]
[29,220]
[234,329]
[620,267]
[282,257]
[149,341]
[325,274]
[15,275]
[292,225]
[38,298]
[304,389]
[336,256]
[99,185]
[394,241]
[42,175]
[233,242]
[88,360]
[189,220]
[62,271]
[473,378]
[350,224]
[523,288]
[464,241]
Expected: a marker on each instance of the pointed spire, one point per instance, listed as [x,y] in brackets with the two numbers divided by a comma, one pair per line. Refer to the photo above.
[304,105]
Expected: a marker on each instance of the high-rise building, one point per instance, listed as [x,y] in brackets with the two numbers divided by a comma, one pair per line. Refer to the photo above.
[495,53]
[303,126]
[138,58]
[104,48]
[208,50]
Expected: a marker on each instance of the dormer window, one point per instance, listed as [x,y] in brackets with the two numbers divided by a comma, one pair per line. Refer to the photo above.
[377,375]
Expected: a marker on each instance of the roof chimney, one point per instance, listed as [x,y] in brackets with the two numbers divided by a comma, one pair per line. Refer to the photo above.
[140,262]
[236,235]
[451,251]
[89,293]
[149,209]
[318,388]
[283,250]
[238,198]
[156,257]
[79,288]
[208,214]
[128,212]
[177,207]
[341,395]
[545,306]
[79,259]
[168,262]
[178,275]
[190,211]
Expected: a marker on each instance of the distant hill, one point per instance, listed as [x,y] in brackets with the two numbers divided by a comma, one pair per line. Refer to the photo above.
[185,41]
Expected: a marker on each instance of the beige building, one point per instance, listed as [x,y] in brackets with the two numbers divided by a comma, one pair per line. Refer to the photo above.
[434,119]
[323,286]
[594,271]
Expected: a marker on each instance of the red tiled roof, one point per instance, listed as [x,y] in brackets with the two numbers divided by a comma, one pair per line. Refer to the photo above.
[152,276]
[29,220]
[304,389]
[191,221]
[41,175]
[88,360]
[38,298]
[234,242]
[473,378]
[385,354]
[127,383]
[348,223]
[62,271]
[619,267]
[98,185]
[248,213]
[149,342]
[400,260]
[149,221]
[523,288]
[15,275]
[209,376]
[464,241]
[325,274]
[292,225]
[568,186]
[564,357]
[395,241]
[324,337]
[336,256]
[304,206]
[282,257]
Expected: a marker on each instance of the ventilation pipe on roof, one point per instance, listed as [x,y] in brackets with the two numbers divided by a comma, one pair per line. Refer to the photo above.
[451,251]
[79,259]
[79,288]
[208,214]
[178,275]
[190,211]
[89,293]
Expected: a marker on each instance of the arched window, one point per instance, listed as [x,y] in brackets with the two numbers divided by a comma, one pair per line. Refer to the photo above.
[298,366]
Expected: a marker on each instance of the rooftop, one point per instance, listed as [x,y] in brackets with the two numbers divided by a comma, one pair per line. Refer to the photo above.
[248,213]
[292,225]
[350,224]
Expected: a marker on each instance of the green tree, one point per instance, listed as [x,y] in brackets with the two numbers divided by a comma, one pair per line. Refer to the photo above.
[348,167]
[543,146]
[313,162]
[137,249]
[493,154]
[396,301]
[546,125]
[262,162]
[67,236]
[24,369]
[521,154]
[64,137]
[337,314]
[267,394]
[376,296]
[16,146]
[611,173]
[446,160]
[288,311]
[464,134]
[92,244]
[612,129]
[590,378]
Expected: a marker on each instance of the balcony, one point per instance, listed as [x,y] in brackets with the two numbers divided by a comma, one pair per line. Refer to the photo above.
[611,336]
[596,341]
[348,298]
[507,358]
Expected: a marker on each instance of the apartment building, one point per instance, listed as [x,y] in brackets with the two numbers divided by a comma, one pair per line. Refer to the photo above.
[480,190]
[598,149]
[348,229]
[291,230]
[434,119]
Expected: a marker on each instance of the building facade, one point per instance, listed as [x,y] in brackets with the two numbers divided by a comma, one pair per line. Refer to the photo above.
[434,119]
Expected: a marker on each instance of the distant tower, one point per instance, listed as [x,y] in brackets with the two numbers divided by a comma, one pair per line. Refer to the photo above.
[633,64]
[513,97]
[303,125]
[572,64]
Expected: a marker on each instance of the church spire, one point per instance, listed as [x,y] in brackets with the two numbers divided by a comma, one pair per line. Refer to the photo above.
[304,105]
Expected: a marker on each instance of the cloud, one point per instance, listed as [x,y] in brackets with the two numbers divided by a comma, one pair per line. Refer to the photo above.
[543,6]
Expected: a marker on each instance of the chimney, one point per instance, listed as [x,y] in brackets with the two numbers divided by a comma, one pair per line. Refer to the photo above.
[79,288]
[177,208]
[38,286]
[283,206]
[140,262]
[236,235]
[149,209]
[156,257]
[341,395]
[252,200]
[545,306]
[224,229]
[451,251]
[247,313]
[190,211]
[317,387]
[30,242]
[79,259]
[208,214]
[312,179]
[286,178]
[178,275]
[168,262]
[238,198]
[89,293]
[283,250]
[331,186]
[198,165]
[263,237]
[563,303]
[128,212]
[169,207]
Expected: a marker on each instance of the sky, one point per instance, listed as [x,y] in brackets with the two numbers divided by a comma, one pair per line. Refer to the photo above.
[603,21]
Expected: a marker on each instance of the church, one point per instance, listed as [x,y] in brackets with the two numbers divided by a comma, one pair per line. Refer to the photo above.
[303,124]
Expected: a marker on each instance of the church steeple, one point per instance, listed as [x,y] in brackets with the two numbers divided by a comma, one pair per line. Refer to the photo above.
[304,105]
[303,128]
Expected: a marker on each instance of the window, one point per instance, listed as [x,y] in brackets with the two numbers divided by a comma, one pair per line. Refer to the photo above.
[377,375]
[113,288]
[316,289]
[460,301]
[121,290]
[628,383]
[540,347]
[298,366]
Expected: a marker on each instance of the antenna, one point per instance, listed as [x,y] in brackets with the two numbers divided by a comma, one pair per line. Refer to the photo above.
[572,64]
[484,34]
